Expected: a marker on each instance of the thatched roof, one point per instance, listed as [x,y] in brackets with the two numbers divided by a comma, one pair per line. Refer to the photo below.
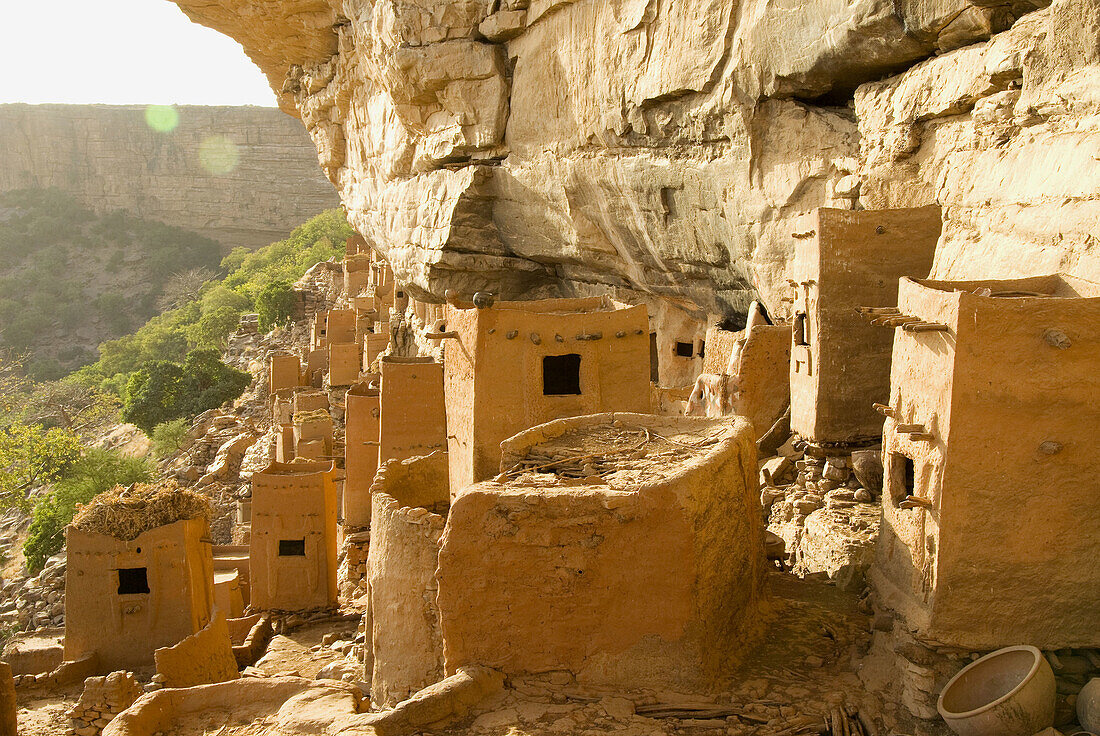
[126,513]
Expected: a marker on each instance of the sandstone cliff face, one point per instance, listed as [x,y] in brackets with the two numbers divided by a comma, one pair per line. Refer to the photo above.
[239,175]
[666,149]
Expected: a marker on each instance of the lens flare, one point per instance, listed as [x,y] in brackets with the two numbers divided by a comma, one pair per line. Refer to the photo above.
[162,118]
[218,155]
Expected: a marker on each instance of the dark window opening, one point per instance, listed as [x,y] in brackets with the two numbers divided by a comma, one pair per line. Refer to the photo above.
[702,348]
[400,295]
[799,331]
[902,477]
[654,362]
[132,580]
[684,349]
[561,374]
[292,548]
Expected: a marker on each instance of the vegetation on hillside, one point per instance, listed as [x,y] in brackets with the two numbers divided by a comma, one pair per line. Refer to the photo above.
[163,391]
[70,278]
[254,281]
[45,428]
[160,376]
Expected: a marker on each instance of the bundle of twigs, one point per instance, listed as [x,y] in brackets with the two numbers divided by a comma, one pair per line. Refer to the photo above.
[126,513]
[839,721]
[576,466]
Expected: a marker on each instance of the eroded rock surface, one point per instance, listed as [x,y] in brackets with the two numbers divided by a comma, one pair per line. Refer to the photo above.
[244,176]
[664,150]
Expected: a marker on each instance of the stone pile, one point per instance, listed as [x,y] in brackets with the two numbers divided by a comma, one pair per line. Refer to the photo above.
[817,503]
[103,699]
[249,324]
[11,523]
[38,601]
[213,434]
[318,289]
[353,565]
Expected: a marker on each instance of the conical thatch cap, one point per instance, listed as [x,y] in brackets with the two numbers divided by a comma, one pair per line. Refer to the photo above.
[126,513]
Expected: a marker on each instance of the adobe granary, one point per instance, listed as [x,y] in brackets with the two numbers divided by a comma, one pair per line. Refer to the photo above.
[409,502]
[845,259]
[362,413]
[413,411]
[990,474]
[511,365]
[625,548]
[746,373]
[292,551]
[140,574]
[285,372]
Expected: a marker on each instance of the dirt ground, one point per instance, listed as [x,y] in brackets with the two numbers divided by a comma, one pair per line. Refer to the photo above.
[297,652]
[803,668]
[42,713]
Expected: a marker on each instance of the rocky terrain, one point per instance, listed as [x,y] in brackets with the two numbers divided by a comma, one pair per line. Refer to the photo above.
[243,176]
[669,149]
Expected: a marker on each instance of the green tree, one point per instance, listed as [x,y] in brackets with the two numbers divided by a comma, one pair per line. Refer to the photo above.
[162,391]
[213,328]
[269,271]
[154,394]
[31,456]
[275,305]
[210,382]
[95,472]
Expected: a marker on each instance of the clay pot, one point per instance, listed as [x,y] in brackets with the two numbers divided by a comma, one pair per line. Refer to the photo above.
[1088,706]
[1009,692]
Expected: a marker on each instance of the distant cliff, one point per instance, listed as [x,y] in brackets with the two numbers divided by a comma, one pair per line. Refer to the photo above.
[239,175]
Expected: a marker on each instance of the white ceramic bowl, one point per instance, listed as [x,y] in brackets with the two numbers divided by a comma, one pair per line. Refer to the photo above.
[1009,692]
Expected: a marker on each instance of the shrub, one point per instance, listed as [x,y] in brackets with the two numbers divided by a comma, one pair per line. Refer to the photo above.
[275,305]
[97,471]
[162,391]
[31,456]
[168,437]
[154,394]
[210,382]
[214,327]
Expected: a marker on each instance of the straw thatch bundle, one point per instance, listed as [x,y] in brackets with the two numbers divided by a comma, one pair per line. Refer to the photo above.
[126,513]
[312,417]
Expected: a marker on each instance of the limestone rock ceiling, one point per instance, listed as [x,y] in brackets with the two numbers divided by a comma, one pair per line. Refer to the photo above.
[666,148]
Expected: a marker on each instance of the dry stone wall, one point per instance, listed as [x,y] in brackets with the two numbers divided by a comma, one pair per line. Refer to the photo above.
[663,150]
[240,175]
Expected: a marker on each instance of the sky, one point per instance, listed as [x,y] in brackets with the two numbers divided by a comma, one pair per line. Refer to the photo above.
[120,52]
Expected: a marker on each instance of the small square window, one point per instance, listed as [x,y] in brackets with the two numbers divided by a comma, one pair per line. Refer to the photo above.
[292,548]
[133,580]
[685,349]
[561,374]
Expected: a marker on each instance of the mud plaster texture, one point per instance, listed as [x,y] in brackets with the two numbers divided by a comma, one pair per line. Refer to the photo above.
[1005,397]
[645,567]
[494,372]
[121,626]
[409,509]
[840,364]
